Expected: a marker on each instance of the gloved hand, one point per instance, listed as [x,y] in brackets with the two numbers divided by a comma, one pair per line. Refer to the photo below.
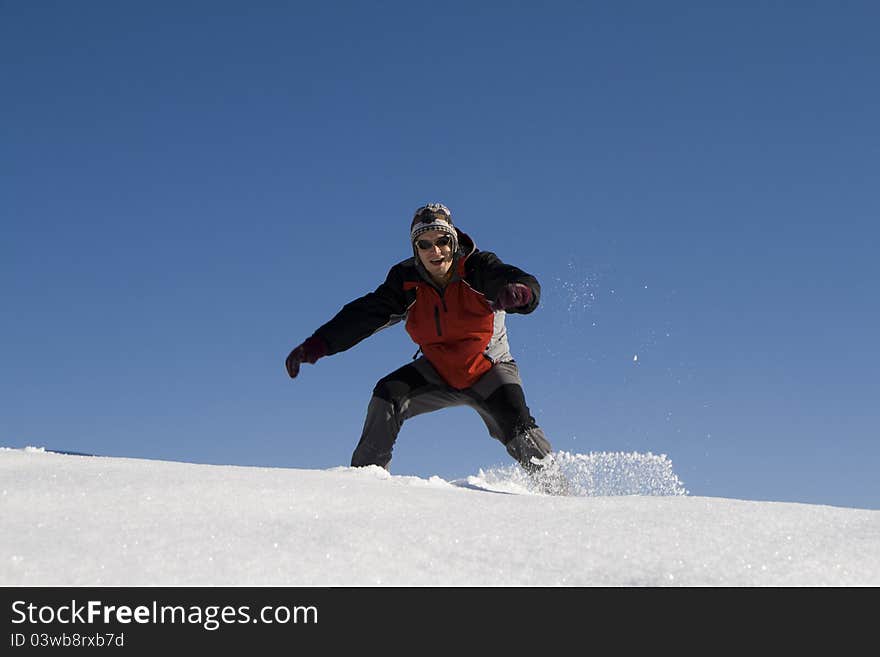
[308,352]
[512,295]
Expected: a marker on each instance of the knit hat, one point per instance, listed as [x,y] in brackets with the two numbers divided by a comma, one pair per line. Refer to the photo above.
[433,216]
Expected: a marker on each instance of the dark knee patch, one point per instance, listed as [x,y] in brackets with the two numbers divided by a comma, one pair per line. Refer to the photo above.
[508,406]
[399,384]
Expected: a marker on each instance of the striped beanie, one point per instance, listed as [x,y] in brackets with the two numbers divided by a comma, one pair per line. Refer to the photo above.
[433,216]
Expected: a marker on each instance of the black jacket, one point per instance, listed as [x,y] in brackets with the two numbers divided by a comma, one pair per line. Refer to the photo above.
[389,303]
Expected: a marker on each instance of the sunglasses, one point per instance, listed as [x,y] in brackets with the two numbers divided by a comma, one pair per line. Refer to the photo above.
[440,242]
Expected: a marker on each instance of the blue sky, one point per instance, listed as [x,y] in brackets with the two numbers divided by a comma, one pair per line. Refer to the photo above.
[191,188]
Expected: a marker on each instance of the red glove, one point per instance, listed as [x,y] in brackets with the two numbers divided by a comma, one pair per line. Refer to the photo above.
[308,352]
[512,295]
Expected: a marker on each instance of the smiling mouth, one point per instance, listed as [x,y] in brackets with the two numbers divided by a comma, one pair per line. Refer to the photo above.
[438,262]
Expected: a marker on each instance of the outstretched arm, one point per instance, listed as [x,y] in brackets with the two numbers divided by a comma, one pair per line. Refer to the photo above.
[356,321]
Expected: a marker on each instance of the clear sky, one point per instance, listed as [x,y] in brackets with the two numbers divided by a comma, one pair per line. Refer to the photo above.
[189,189]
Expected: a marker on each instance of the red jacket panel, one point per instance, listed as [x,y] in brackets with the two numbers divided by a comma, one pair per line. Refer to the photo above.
[453,328]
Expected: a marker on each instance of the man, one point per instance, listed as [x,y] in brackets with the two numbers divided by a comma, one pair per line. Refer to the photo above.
[454,298]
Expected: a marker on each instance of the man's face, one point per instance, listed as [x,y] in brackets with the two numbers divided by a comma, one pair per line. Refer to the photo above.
[437,258]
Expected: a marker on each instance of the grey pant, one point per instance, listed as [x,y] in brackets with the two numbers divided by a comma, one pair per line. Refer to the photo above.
[417,388]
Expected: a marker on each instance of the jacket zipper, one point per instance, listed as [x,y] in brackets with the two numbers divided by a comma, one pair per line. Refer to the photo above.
[437,320]
[437,313]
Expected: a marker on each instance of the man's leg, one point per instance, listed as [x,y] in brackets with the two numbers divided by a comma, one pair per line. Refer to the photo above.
[411,390]
[499,399]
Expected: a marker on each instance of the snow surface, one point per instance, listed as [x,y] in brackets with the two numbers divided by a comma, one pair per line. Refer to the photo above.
[94,521]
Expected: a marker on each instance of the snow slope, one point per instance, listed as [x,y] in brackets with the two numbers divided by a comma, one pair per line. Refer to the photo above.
[82,521]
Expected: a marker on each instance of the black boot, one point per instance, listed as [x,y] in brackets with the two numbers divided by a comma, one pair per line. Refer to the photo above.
[527,447]
[532,451]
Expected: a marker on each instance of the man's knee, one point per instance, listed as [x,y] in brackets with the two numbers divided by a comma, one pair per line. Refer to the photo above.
[507,408]
[399,384]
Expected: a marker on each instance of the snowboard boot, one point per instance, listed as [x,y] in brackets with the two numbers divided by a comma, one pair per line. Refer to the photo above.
[529,448]
[532,451]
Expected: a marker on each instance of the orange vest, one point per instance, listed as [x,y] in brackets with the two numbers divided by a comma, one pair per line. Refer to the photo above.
[453,330]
